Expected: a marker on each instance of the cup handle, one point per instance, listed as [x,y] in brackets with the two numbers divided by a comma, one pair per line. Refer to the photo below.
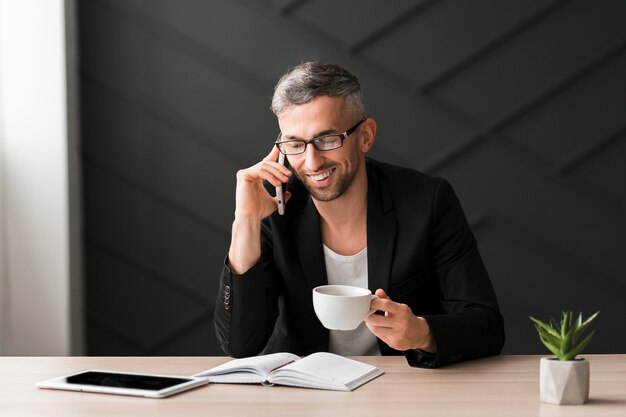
[369,313]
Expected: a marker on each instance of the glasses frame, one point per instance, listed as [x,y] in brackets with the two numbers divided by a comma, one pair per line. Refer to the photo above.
[343,136]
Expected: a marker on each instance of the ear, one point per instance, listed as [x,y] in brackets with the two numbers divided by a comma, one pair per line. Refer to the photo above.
[368,134]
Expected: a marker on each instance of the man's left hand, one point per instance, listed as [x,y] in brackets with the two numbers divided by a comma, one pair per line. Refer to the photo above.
[399,327]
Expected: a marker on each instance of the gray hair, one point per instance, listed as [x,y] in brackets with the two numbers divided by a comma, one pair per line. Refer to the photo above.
[304,82]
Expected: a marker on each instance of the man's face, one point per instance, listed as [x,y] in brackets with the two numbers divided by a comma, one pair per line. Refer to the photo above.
[325,174]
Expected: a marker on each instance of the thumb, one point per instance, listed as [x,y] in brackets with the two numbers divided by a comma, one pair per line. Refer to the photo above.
[380,293]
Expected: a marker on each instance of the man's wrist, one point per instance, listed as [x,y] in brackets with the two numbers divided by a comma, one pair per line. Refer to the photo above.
[245,246]
[427,341]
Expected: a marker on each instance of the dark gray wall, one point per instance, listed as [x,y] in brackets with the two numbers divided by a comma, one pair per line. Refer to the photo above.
[521,105]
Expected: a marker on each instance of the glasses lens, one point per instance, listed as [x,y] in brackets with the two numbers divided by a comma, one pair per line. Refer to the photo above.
[292,147]
[327,143]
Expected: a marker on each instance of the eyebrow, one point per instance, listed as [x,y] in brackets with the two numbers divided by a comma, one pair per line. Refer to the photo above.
[317,135]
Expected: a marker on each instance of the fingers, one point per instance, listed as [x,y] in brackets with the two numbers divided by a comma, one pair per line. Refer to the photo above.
[399,327]
[384,303]
[280,171]
[273,155]
[384,333]
[272,172]
[379,322]
[392,338]
[380,293]
[393,311]
[396,330]
[267,169]
[389,319]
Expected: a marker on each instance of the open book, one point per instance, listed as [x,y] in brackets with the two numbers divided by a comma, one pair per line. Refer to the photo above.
[320,370]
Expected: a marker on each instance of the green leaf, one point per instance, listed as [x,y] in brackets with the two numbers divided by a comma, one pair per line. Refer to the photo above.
[590,319]
[566,344]
[554,349]
[577,325]
[562,338]
[566,322]
[547,328]
[582,327]
[580,347]
[550,338]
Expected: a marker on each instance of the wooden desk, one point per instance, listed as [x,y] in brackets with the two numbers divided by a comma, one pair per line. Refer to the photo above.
[499,386]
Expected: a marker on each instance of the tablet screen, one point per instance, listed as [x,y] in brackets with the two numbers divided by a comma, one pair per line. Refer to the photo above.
[119,380]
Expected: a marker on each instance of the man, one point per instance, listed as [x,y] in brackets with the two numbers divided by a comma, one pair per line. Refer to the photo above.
[349,220]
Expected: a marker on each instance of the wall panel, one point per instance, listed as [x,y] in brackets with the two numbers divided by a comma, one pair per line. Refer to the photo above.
[519,104]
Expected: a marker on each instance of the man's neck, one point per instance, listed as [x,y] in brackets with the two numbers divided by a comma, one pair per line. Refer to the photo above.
[343,220]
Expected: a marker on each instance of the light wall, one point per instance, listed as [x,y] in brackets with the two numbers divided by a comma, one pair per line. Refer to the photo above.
[35,281]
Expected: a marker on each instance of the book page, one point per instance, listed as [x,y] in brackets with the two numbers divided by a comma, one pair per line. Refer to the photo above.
[327,371]
[254,369]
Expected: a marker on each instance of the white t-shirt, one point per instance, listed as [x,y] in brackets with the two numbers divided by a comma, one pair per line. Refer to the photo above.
[350,270]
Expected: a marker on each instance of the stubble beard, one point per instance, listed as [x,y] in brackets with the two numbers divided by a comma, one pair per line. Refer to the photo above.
[342,184]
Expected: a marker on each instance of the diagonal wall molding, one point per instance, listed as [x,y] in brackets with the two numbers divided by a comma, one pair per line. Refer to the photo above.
[552,217]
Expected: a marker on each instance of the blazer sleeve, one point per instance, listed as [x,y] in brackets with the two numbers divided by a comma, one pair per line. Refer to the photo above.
[247,305]
[471,326]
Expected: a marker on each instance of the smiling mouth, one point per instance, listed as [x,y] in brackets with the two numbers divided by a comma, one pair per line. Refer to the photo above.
[322,176]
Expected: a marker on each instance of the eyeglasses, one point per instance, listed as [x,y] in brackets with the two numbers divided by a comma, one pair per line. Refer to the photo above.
[322,143]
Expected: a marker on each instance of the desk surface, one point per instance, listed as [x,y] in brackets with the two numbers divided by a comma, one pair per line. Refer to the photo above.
[497,386]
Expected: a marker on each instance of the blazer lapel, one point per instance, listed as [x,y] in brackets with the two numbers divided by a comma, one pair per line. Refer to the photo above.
[382,227]
[310,252]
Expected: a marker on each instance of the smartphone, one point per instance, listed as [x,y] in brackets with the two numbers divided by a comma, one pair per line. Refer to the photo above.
[279,190]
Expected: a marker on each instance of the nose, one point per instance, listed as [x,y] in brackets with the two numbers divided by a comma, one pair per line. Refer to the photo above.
[312,158]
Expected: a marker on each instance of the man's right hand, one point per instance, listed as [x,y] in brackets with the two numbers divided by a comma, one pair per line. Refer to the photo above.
[252,199]
[253,204]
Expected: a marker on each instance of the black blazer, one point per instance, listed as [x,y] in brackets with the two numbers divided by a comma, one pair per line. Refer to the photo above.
[421,251]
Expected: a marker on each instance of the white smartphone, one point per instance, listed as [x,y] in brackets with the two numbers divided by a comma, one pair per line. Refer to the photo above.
[279,190]
[124,383]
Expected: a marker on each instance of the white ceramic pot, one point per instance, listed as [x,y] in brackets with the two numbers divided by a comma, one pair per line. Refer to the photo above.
[564,382]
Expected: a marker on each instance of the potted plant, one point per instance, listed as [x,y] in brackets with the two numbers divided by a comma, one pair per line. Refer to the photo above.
[564,379]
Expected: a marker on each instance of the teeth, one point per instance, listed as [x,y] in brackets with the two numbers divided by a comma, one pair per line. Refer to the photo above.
[321,176]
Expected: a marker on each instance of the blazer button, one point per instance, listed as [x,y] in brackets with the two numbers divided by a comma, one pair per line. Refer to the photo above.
[227,297]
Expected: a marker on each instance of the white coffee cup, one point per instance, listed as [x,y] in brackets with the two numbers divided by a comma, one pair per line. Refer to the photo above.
[342,307]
